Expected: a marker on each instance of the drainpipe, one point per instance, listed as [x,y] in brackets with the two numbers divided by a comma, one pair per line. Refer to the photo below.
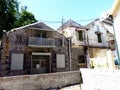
[88,56]
[69,52]
[116,44]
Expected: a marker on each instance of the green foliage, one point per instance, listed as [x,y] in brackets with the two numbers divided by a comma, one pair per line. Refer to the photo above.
[11,18]
[8,11]
[80,34]
[25,18]
[99,38]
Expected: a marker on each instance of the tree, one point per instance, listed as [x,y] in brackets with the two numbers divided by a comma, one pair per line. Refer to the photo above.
[25,18]
[11,18]
[8,11]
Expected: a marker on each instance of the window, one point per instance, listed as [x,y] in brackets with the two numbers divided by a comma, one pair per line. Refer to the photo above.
[41,34]
[81,59]
[98,28]
[80,35]
[112,41]
[58,42]
[17,62]
[60,61]
[43,63]
[18,39]
[36,64]
[99,38]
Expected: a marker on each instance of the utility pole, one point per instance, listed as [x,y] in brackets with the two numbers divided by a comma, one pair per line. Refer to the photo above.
[87,51]
[69,51]
[69,45]
[62,22]
[62,31]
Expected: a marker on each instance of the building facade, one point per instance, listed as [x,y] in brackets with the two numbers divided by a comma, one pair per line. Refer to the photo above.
[77,35]
[90,46]
[37,48]
[33,49]
[100,46]
[113,14]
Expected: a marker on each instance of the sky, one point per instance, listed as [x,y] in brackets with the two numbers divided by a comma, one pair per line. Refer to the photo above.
[51,12]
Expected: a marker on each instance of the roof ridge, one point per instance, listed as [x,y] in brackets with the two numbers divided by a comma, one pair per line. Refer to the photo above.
[70,23]
[33,24]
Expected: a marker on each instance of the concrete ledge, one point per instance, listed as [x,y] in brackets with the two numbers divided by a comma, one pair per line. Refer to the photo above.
[40,81]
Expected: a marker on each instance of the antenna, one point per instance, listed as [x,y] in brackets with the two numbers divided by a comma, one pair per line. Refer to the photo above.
[62,22]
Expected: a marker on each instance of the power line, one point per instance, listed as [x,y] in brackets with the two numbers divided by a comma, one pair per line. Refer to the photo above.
[50,21]
[57,21]
[85,20]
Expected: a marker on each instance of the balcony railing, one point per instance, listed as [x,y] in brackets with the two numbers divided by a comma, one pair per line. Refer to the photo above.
[41,42]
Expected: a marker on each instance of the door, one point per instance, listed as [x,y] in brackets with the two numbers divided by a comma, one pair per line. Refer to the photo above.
[40,64]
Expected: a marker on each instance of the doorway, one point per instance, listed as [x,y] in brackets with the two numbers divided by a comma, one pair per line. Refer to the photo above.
[40,64]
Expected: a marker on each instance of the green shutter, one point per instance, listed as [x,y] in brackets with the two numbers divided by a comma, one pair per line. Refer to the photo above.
[80,35]
[99,38]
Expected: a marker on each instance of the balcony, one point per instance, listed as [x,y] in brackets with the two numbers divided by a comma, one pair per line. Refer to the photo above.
[41,42]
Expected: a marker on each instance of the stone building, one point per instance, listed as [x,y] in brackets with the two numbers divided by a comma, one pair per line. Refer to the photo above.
[33,49]
[77,34]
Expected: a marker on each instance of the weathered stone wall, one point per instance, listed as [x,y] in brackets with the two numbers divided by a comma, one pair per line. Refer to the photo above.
[75,62]
[40,81]
[17,42]
[4,55]
[12,45]
[61,48]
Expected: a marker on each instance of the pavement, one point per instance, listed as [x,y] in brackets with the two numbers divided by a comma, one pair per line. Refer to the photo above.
[96,79]
[74,87]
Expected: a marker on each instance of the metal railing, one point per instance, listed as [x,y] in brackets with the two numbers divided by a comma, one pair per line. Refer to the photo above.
[36,41]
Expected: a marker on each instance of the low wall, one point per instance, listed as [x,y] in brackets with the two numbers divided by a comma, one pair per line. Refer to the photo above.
[40,81]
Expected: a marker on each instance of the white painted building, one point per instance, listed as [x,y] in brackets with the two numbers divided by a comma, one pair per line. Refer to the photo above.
[113,19]
[115,14]
[99,46]
[91,41]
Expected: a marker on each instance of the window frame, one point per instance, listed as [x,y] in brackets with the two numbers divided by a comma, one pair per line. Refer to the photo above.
[99,38]
[18,39]
[62,59]
[81,61]
[15,59]
[80,35]
[41,34]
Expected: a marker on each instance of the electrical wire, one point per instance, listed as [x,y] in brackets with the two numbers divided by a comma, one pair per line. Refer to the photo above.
[82,20]
[61,20]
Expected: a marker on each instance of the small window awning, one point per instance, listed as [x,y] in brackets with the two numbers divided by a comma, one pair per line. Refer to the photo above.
[98,32]
[80,29]
[37,53]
